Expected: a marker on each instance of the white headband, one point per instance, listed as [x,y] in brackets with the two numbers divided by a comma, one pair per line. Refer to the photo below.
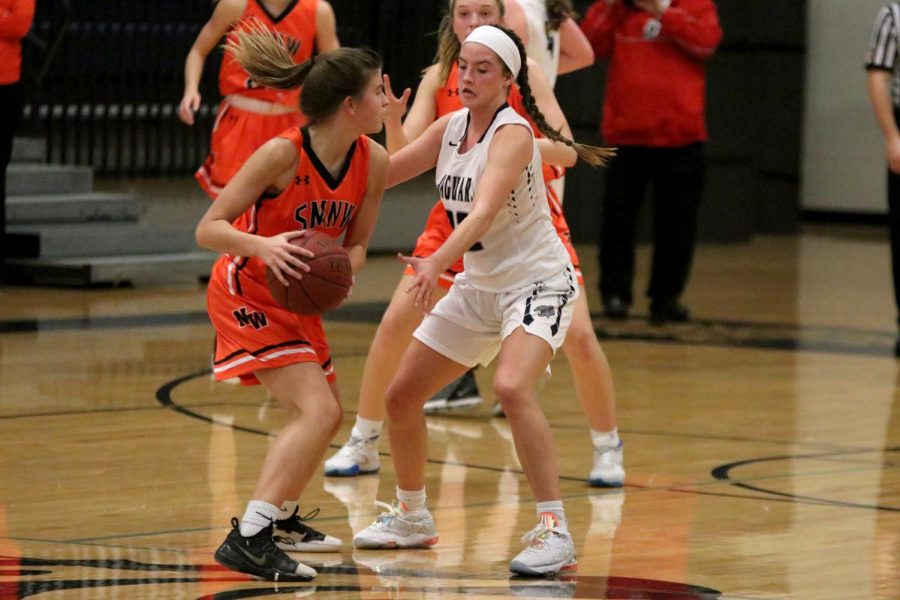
[500,43]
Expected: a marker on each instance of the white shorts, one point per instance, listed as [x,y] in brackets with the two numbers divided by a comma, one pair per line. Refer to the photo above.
[468,325]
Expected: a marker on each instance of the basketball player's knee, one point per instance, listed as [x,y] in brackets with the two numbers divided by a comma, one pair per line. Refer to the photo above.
[509,391]
[327,413]
[393,405]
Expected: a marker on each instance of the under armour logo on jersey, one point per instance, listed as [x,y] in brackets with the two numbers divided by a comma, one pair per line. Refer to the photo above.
[256,319]
[452,92]
[298,180]
[651,29]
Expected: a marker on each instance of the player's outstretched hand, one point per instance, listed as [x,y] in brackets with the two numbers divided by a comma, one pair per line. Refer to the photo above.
[396,107]
[424,281]
[281,256]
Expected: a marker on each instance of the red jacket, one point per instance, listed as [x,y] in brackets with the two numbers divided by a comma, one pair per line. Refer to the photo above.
[15,21]
[656,84]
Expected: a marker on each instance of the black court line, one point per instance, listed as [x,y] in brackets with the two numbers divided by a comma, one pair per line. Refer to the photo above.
[698,332]
[723,473]
[164,397]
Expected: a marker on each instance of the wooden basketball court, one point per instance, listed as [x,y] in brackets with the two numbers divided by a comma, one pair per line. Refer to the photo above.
[762,446]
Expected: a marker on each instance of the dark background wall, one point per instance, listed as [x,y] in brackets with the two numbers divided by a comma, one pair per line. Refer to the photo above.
[107,76]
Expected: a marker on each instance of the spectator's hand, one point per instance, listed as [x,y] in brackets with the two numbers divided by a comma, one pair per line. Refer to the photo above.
[654,7]
[396,107]
[189,105]
[893,155]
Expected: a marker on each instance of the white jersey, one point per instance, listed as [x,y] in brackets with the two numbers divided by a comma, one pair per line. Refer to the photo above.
[542,46]
[521,247]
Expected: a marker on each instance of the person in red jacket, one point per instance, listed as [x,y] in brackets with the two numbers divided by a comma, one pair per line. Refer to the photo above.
[654,112]
[15,21]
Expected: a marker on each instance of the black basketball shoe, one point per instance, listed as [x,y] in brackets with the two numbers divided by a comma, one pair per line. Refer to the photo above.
[293,535]
[458,394]
[258,556]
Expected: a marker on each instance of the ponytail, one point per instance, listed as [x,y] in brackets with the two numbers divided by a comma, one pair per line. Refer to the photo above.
[593,155]
[263,54]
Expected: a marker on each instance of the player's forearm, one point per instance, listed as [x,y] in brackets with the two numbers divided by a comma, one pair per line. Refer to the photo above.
[463,237]
[193,71]
[221,236]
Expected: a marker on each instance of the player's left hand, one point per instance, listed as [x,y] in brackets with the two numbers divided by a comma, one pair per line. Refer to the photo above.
[424,282]
[396,107]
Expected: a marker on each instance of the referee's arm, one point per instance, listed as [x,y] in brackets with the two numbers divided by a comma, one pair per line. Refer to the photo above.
[880,65]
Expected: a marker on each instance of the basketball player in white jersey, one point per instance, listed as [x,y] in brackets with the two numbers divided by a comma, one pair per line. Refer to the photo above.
[513,302]
[552,37]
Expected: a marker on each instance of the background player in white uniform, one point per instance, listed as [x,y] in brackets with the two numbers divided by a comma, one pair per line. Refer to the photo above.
[514,301]
[552,37]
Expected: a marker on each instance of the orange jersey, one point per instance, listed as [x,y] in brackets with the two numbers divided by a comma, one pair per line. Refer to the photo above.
[252,331]
[297,27]
[16,17]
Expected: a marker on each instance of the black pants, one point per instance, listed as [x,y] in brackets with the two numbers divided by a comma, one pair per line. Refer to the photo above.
[894,221]
[10,116]
[677,176]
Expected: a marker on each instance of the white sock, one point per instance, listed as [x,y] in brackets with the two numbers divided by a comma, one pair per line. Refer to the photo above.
[367,429]
[287,510]
[608,439]
[258,516]
[554,507]
[411,501]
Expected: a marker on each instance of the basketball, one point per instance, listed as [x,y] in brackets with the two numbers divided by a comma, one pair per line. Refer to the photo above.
[327,283]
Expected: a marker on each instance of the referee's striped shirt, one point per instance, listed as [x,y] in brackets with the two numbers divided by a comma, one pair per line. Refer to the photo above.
[883,46]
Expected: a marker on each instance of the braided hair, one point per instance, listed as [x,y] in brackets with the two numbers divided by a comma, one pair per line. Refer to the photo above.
[592,155]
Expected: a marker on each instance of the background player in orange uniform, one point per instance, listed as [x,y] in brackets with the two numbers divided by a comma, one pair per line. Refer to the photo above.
[437,95]
[251,114]
[272,198]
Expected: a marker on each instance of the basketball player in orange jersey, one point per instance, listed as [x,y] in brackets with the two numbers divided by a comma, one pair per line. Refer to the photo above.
[438,95]
[251,114]
[327,176]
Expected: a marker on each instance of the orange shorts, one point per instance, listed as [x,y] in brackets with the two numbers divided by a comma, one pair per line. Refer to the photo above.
[236,135]
[438,229]
[253,332]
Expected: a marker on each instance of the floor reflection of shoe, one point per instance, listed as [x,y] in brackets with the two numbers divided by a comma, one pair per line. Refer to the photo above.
[282,591]
[545,588]
[459,394]
[607,470]
[417,563]
[550,550]
[293,535]
[606,513]
[258,556]
[358,456]
[358,491]
[398,529]
[457,428]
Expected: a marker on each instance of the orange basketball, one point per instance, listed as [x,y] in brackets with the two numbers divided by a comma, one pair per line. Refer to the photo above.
[327,283]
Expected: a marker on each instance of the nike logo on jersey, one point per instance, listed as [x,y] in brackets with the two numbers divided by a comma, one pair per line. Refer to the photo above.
[452,143]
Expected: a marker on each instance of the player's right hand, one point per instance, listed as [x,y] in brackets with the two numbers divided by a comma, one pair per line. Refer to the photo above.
[281,256]
[190,104]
